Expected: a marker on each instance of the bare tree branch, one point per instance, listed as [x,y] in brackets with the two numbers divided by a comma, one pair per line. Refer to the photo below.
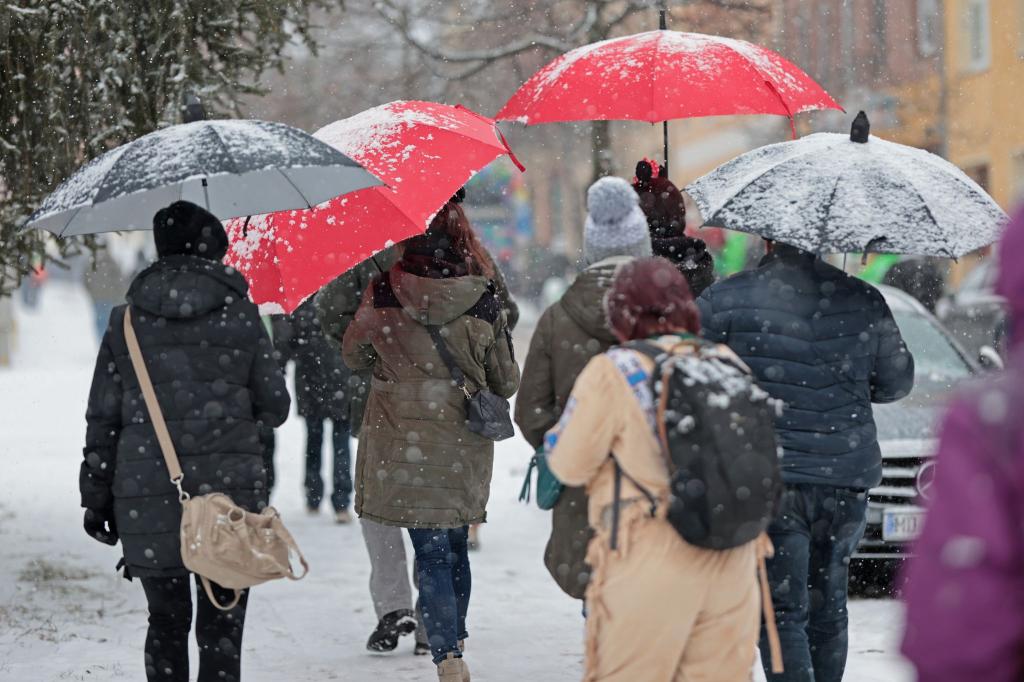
[399,18]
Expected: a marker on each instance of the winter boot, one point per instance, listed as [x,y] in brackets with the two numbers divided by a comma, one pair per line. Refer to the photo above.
[342,517]
[452,669]
[421,649]
[392,626]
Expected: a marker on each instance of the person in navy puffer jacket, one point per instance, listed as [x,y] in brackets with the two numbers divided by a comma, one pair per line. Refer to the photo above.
[826,345]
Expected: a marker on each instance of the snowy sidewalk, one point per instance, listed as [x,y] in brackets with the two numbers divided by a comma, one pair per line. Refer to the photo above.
[65,615]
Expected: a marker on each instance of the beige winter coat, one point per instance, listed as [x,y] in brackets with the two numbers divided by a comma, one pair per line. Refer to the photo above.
[660,610]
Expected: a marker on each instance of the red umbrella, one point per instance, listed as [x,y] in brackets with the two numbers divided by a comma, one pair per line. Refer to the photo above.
[664,75]
[424,152]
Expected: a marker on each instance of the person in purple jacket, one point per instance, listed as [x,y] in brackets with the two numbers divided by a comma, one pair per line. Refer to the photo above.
[965,587]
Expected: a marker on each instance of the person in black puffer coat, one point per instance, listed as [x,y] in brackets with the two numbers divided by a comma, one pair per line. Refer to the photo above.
[321,388]
[662,203]
[217,382]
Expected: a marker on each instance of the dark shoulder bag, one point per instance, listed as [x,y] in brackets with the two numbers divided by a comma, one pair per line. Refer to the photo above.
[487,414]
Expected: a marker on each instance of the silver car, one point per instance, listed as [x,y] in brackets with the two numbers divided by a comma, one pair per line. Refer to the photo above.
[907,432]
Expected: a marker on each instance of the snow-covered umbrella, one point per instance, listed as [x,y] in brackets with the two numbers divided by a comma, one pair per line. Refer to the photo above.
[231,167]
[833,193]
[661,76]
[424,151]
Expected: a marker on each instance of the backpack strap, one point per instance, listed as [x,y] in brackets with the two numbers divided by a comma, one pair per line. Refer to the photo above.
[617,487]
[662,372]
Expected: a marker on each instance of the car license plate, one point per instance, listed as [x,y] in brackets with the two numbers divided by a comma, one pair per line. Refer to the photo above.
[902,525]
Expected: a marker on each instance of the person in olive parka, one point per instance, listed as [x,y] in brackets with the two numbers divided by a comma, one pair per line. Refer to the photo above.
[216,381]
[419,467]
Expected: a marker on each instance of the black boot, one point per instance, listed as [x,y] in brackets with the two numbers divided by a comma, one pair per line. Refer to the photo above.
[392,626]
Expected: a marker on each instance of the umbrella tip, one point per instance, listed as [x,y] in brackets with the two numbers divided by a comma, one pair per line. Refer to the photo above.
[193,109]
[860,129]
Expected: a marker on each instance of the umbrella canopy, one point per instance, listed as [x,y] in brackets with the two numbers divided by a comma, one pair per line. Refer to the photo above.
[230,167]
[663,75]
[832,193]
[424,151]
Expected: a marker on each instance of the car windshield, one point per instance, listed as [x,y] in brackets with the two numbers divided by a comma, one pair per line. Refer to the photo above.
[938,367]
[937,363]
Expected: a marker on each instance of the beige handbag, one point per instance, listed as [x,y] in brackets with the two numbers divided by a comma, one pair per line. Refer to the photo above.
[220,541]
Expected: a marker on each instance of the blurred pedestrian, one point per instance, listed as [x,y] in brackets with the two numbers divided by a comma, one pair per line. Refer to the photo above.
[965,584]
[106,283]
[419,465]
[659,608]
[826,345]
[922,277]
[336,305]
[321,383]
[569,333]
[7,329]
[665,209]
[32,286]
[216,380]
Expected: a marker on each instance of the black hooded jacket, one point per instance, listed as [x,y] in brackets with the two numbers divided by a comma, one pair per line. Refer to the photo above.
[215,377]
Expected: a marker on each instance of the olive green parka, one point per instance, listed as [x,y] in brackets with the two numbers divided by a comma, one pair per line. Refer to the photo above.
[418,465]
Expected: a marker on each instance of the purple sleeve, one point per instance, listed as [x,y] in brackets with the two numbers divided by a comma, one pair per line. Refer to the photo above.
[965,587]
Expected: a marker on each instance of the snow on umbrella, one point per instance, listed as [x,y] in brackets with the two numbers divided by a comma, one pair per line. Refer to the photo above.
[663,75]
[231,167]
[833,193]
[424,151]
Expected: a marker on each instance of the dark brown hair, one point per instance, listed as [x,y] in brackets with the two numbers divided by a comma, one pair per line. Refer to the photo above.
[450,240]
[650,296]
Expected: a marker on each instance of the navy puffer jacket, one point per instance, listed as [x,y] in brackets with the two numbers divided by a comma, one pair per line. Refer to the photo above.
[824,343]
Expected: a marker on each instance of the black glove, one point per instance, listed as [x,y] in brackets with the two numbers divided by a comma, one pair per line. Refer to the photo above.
[100,525]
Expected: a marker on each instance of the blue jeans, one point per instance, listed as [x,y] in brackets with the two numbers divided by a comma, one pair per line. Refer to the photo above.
[815,534]
[442,566]
[341,486]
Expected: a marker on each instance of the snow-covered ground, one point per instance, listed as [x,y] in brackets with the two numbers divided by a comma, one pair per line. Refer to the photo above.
[65,615]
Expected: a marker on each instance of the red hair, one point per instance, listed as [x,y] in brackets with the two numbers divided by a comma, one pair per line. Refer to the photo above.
[451,226]
[648,297]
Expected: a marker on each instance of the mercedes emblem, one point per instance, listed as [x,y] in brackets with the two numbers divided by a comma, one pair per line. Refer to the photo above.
[926,479]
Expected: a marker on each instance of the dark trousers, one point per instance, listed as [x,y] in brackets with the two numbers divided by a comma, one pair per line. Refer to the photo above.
[445,582]
[341,492]
[815,535]
[218,633]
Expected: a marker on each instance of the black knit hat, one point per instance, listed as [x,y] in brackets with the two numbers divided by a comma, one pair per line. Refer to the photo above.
[189,230]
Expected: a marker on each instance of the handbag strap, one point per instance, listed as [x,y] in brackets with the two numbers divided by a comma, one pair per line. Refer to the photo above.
[156,415]
[458,376]
[213,598]
[283,533]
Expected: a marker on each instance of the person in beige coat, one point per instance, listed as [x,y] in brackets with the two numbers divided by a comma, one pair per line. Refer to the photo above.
[659,609]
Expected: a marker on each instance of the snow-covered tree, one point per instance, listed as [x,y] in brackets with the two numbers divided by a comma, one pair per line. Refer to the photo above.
[78,77]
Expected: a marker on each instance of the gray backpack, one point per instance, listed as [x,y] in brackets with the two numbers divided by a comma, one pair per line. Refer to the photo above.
[717,430]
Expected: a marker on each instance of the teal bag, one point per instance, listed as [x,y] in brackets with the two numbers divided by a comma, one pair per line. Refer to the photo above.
[549,488]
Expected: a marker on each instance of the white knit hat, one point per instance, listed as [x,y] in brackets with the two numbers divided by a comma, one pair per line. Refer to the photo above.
[616,226]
